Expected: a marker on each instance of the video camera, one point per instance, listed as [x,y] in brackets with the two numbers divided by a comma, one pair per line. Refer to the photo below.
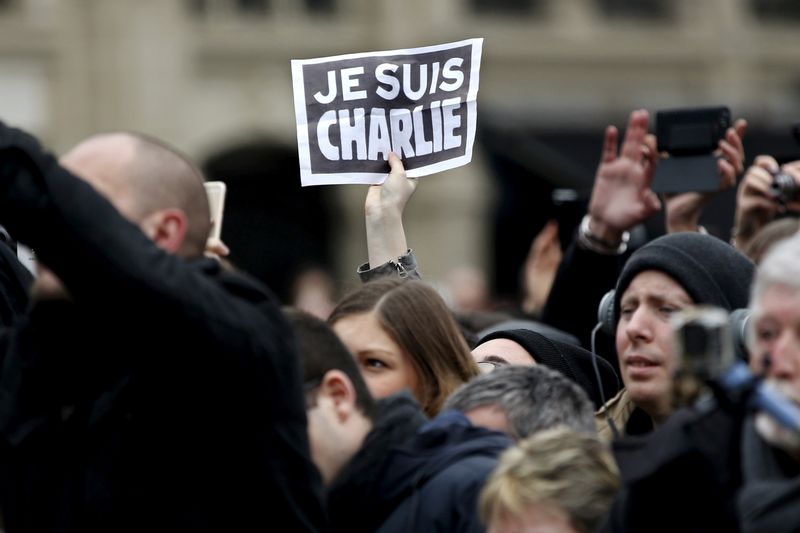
[706,363]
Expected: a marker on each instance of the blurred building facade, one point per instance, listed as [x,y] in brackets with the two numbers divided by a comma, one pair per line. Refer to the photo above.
[210,75]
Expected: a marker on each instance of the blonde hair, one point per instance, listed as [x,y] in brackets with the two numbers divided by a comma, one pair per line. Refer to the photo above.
[559,468]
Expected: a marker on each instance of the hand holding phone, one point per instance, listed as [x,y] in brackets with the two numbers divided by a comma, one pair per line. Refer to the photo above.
[690,136]
[216,202]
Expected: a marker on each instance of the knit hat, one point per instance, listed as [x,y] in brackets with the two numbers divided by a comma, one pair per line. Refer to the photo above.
[711,271]
[539,327]
[572,361]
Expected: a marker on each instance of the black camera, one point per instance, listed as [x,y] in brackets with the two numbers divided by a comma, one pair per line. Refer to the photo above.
[783,188]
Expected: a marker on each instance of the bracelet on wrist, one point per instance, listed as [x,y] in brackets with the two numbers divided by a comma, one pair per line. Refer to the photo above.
[594,243]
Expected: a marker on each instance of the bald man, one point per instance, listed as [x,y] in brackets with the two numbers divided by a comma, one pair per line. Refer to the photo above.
[146,387]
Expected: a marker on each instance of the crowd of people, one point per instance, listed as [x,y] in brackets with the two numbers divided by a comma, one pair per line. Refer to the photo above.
[148,384]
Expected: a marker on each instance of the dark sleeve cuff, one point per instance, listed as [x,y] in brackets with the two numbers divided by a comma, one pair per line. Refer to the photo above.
[404,266]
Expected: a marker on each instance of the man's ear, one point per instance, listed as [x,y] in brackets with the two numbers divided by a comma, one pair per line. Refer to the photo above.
[167,228]
[339,389]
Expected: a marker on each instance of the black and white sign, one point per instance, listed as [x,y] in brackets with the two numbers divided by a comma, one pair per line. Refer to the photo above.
[353,110]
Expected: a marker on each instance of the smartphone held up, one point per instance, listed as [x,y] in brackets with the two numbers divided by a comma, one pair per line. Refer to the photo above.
[688,138]
[216,201]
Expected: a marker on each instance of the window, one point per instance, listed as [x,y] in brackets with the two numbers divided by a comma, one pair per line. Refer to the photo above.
[320,7]
[251,7]
[507,7]
[244,8]
[255,8]
[637,9]
[776,10]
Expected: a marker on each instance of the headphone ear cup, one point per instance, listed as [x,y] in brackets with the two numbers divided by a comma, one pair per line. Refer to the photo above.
[605,313]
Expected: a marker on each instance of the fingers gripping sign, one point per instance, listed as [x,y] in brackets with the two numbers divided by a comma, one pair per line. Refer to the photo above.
[383,210]
[394,192]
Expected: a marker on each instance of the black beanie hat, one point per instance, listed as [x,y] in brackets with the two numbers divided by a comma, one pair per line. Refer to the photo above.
[572,361]
[710,270]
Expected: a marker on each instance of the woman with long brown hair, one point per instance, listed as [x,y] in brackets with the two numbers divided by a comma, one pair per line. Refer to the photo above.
[403,336]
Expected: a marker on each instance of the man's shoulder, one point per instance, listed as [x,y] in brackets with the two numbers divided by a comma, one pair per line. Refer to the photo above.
[236,283]
[619,409]
[448,500]
[250,301]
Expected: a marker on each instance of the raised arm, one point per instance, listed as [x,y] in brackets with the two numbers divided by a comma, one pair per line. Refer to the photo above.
[620,200]
[387,250]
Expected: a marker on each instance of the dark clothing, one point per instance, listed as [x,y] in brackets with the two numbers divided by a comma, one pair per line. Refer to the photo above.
[355,499]
[165,396]
[681,477]
[428,481]
[15,284]
[583,277]
[442,470]
[572,361]
[770,496]
[404,267]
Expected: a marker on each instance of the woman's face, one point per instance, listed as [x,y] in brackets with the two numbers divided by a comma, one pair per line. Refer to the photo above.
[385,367]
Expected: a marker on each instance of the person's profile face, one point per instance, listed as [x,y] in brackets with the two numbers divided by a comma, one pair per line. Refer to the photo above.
[776,328]
[645,338]
[496,352]
[386,368]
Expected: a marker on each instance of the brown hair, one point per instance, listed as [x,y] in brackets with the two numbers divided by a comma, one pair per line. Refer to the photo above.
[414,315]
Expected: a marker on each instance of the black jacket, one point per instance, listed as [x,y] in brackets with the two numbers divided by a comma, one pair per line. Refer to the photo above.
[15,283]
[166,396]
[427,481]
[583,277]
[681,477]
[769,499]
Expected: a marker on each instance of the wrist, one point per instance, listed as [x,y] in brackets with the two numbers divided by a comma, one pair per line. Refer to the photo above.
[740,237]
[589,240]
[679,218]
[601,231]
[382,213]
[675,226]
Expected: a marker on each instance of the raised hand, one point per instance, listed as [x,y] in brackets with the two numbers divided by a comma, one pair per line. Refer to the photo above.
[622,197]
[755,204]
[383,210]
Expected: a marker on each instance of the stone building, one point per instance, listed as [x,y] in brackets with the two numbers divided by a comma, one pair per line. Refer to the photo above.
[212,76]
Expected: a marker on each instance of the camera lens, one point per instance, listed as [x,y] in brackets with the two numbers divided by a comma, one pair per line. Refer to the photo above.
[783,188]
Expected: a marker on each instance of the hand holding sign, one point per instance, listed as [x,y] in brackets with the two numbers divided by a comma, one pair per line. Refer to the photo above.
[354,110]
[383,210]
